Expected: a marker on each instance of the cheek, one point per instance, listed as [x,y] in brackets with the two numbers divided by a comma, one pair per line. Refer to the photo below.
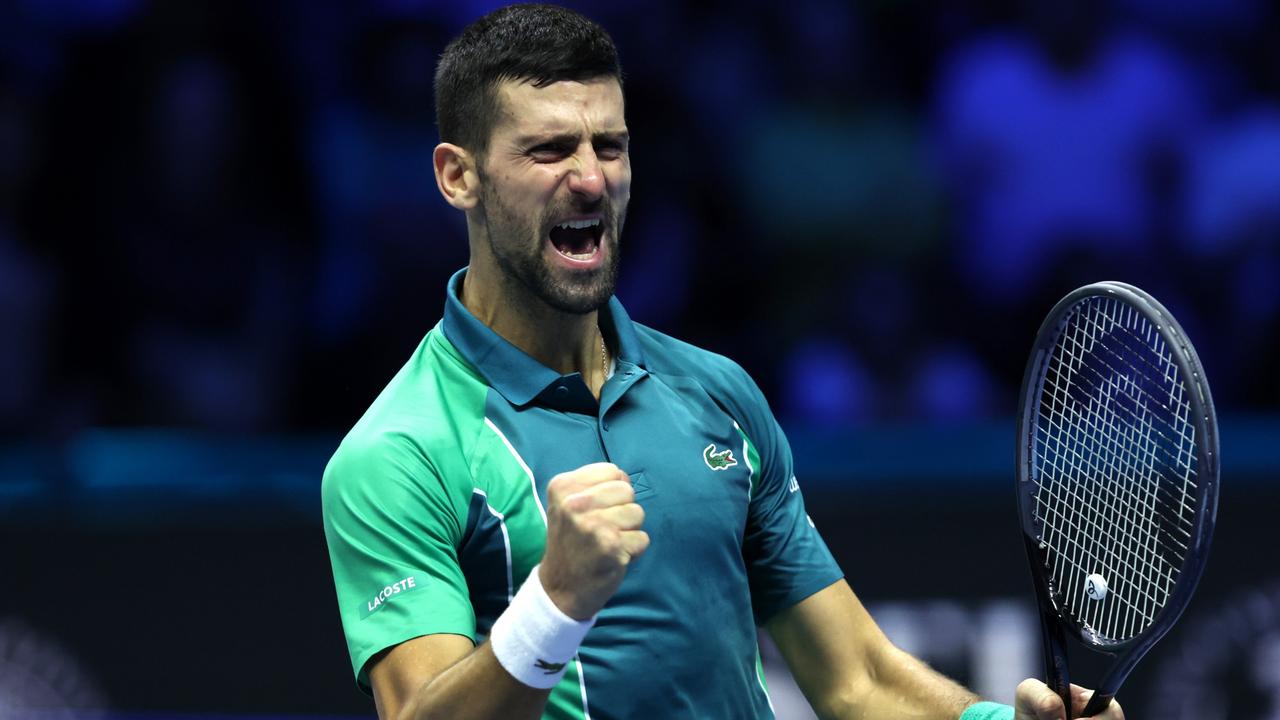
[620,180]
[541,185]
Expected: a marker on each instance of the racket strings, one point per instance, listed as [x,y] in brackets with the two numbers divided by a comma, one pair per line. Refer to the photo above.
[1177,425]
[1116,456]
[1114,555]
[1131,449]
[1126,501]
[1181,411]
[1121,499]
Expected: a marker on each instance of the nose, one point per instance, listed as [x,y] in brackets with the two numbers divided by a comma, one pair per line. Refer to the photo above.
[587,179]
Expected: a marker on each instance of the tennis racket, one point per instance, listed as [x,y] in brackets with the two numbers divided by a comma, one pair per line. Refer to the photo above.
[1117,478]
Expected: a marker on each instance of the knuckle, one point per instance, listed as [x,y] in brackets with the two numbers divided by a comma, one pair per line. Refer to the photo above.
[586,524]
[607,530]
[563,506]
[1047,705]
[600,469]
[556,486]
[626,495]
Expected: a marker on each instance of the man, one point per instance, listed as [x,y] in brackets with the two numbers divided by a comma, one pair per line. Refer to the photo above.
[554,512]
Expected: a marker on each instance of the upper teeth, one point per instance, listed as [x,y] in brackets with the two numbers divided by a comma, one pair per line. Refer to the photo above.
[579,224]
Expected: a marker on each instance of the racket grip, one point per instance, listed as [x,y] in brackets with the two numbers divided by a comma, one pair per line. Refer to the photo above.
[1097,704]
[1057,676]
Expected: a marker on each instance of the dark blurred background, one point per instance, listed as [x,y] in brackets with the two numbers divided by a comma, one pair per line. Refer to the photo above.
[220,236]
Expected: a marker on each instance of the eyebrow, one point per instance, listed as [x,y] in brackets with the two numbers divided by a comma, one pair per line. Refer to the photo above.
[621,137]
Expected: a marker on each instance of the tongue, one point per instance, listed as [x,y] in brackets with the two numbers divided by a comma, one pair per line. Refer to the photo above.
[573,242]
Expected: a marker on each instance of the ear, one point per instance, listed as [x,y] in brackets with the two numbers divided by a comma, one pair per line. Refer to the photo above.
[456,175]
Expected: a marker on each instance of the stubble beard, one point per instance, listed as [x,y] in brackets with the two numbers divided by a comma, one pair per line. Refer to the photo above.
[517,247]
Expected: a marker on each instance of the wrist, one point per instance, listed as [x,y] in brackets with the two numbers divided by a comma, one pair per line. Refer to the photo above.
[534,640]
[563,601]
[987,711]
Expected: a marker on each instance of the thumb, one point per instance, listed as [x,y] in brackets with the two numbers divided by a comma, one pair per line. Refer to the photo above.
[1036,701]
[1080,698]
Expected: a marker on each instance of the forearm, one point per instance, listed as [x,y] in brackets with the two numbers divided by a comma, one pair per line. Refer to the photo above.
[530,648]
[477,687]
[847,668]
[897,685]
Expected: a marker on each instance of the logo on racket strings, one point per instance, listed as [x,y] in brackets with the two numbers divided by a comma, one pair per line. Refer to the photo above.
[722,460]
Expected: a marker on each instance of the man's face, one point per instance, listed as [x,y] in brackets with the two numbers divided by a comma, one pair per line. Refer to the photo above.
[555,184]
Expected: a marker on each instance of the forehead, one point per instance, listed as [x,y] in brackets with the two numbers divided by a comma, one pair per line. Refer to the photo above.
[565,106]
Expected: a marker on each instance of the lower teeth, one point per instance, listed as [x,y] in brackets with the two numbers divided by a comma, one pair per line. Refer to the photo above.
[579,256]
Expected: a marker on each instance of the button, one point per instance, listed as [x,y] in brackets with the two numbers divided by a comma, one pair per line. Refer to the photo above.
[604,425]
[561,390]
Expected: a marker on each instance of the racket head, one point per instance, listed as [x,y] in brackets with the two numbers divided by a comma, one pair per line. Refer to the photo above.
[1072,376]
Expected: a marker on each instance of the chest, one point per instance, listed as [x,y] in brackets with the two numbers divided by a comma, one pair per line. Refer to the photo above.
[687,461]
[686,457]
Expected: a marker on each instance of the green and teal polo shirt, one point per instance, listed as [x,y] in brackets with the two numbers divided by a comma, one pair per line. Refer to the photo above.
[434,512]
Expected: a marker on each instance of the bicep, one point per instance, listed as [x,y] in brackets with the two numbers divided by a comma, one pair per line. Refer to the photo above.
[399,673]
[392,532]
[831,644]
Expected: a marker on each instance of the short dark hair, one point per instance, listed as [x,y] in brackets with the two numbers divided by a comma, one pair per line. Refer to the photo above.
[541,44]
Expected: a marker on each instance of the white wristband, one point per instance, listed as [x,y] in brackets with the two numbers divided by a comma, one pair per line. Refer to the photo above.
[533,639]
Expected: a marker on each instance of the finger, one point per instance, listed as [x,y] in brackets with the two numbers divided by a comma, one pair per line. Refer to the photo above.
[1080,697]
[1036,700]
[623,517]
[634,543]
[605,495]
[568,483]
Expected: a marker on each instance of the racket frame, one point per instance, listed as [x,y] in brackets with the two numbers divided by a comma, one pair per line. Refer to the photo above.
[1054,625]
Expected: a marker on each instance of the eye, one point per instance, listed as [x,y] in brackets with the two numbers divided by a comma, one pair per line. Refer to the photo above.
[610,150]
[550,152]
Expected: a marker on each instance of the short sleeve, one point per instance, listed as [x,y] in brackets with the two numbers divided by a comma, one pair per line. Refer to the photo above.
[392,530]
[787,560]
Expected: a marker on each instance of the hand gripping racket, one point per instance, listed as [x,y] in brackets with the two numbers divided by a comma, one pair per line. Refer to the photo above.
[1117,478]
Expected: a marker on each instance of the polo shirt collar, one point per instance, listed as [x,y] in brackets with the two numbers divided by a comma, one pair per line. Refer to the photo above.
[514,374]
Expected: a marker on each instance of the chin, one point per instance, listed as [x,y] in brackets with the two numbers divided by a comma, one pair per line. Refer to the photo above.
[578,293]
[580,300]
[577,304]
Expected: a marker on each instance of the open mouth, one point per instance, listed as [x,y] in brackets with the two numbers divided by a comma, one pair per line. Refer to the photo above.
[578,239]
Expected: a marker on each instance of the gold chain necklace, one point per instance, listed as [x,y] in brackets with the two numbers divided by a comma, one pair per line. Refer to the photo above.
[604,359]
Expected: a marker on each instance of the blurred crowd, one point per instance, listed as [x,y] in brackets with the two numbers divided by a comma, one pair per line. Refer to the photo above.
[223,215]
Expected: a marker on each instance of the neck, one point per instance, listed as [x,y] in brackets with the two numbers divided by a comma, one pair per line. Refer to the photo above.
[564,342]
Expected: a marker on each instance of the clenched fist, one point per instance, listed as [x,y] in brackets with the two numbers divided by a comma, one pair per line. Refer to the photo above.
[593,533]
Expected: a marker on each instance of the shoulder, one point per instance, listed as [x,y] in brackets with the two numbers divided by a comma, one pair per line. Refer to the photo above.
[418,430]
[728,384]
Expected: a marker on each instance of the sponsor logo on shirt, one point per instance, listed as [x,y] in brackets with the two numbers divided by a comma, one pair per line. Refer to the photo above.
[388,592]
[722,460]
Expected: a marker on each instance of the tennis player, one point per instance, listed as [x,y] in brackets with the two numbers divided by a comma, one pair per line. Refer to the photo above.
[552,511]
